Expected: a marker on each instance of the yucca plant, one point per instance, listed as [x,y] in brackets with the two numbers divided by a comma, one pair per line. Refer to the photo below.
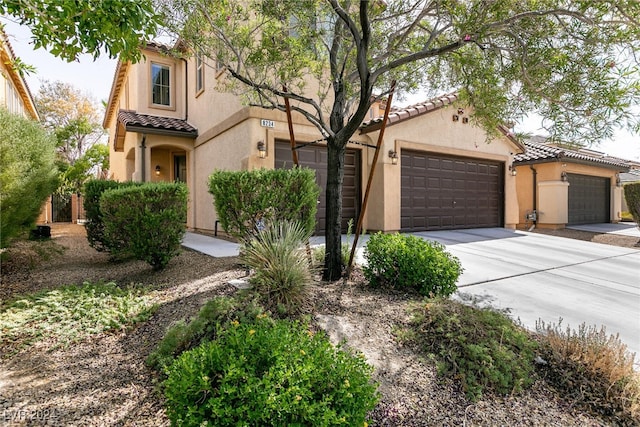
[282,271]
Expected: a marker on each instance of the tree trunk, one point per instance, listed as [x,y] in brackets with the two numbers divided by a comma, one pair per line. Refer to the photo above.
[333,230]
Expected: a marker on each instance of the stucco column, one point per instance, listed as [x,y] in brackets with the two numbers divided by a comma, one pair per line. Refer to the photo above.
[511,206]
[553,203]
[616,204]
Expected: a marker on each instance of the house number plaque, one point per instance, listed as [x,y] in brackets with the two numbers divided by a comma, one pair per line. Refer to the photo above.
[267,123]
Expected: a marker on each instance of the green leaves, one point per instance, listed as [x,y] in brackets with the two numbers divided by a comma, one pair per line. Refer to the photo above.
[69,28]
[28,174]
[267,372]
[245,201]
[405,261]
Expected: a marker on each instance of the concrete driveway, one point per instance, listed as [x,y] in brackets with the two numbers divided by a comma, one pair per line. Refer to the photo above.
[537,276]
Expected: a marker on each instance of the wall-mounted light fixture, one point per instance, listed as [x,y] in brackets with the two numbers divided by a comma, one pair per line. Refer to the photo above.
[158,170]
[393,155]
[564,177]
[618,181]
[262,149]
[512,170]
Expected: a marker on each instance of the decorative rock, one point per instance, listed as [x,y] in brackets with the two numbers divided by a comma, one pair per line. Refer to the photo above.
[240,284]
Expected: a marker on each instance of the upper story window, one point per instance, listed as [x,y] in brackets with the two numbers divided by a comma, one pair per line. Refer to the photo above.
[199,73]
[160,84]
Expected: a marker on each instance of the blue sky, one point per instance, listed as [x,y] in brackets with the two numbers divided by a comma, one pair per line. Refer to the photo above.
[95,78]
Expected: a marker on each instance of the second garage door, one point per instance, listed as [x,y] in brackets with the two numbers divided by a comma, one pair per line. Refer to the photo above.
[588,199]
[441,192]
[315,157]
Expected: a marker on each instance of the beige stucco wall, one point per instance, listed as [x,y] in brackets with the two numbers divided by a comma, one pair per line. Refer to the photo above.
[552,193]
[435,132]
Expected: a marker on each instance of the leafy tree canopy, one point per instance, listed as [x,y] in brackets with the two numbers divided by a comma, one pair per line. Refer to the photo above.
[69,28]
[74,119]
[573,61]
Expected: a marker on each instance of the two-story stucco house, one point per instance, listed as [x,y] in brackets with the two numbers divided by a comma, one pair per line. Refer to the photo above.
[167,121]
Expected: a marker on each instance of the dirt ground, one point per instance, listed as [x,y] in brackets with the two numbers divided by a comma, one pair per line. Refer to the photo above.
[103,381]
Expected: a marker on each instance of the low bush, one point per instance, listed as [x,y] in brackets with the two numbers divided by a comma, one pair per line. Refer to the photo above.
[482,348]
[93,190]
[28,174]
[215,314]
[405,261]
[593,369]
[147,221]
[246,201]
[632,196]
[269,373]
[282,272]
[70,314]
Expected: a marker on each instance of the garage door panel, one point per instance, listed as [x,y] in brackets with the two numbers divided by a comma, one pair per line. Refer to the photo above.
[459,192]
[589,199]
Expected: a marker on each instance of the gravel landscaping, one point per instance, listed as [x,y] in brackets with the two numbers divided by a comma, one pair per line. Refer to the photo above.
[103,380]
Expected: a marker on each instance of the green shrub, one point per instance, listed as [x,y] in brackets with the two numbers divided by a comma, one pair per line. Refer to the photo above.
[71,313]
[405,261]
[215,314]
[28,174]
[147,221]
[481,347]
[245,201]
[282,272]
[632,196]
[593,369]
[319,252]
[269,373]
[93,190]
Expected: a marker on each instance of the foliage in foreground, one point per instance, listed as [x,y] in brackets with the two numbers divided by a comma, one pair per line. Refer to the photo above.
[246,201]
[71,313]
[593,369]
[269,372]
[282,271]
[27,173]
[147,221]
[214,315]
[482,348]
[406,261]
[632,196]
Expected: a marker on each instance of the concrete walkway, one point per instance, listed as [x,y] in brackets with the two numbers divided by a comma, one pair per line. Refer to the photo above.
[623,228]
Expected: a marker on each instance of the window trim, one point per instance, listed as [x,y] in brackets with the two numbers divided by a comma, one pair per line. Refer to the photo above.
[199,74]
[172,85]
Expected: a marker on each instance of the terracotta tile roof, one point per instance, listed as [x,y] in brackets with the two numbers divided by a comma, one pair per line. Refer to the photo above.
[397,115]
[542,153]
[137,122]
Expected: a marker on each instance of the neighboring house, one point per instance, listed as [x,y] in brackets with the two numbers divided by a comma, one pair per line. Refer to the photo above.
[559,186]
[167,122]
[15,95]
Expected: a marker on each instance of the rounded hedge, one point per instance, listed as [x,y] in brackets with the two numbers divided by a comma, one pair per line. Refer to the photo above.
[269,372]
[406,261]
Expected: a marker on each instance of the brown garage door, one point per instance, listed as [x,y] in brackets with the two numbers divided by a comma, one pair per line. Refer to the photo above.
[445,192]
[588,199]
[315,157]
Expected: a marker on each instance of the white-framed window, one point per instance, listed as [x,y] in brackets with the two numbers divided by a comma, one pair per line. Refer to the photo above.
[160,84]
[199,73]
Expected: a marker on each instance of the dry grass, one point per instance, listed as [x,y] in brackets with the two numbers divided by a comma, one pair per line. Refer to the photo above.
[594,368]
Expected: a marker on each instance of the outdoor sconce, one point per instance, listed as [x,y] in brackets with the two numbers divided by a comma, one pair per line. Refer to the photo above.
[158,170]
[262,149]
[512,170]
[393,155]
[564,177]
[618,181]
